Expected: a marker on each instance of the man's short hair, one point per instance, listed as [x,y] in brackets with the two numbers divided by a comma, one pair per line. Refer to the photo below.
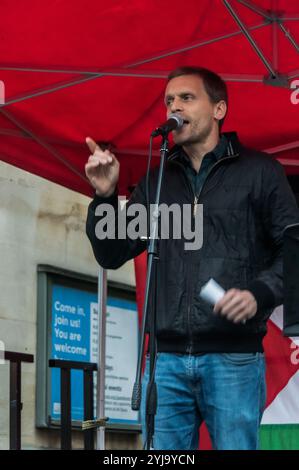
[214,85]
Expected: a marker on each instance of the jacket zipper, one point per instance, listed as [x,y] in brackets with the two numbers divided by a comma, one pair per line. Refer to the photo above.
[195,206]
[196,198]
[195,201]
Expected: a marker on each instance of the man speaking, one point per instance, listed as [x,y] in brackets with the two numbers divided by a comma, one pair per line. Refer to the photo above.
[210,362]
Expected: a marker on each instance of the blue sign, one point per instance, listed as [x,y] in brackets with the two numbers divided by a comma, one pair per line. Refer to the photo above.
[71,335]
[74,337]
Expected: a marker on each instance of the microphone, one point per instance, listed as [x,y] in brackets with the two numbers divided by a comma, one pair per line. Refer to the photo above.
[173,122]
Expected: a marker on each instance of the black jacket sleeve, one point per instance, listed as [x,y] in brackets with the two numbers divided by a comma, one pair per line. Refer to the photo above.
[113,251]
[279,209]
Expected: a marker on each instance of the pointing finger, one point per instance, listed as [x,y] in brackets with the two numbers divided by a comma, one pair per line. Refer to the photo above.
[92,145]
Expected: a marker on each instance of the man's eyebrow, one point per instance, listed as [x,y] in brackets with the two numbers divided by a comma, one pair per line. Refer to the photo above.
[182,93]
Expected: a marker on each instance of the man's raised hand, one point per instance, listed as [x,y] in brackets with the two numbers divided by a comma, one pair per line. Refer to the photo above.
[102,169]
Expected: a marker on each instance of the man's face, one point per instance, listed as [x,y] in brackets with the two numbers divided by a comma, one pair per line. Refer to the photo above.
[187,97]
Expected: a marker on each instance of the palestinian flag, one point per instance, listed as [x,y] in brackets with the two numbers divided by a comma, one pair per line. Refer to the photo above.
[280,424]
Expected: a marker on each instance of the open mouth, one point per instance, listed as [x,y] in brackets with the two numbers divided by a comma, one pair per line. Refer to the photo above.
[185,123]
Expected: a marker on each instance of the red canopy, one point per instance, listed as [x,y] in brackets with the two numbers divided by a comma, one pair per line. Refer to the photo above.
[73,69]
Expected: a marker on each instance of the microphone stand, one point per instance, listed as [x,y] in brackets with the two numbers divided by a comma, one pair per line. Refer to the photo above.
[152,261]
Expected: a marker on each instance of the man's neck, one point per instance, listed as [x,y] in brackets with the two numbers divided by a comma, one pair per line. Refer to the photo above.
[198,150]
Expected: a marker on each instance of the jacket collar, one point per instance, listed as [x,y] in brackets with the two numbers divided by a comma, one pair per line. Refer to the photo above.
[233,147]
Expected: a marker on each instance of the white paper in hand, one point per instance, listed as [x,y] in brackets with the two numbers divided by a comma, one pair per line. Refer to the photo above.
[212,292]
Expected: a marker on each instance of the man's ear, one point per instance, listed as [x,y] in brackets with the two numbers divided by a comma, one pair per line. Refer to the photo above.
[220,110]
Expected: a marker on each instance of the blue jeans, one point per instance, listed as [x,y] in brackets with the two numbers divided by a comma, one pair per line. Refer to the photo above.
[225,390]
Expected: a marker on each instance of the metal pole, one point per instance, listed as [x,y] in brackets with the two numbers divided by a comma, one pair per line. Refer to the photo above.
[65,399]
[88,409]
[275,38]
[289,36]
[250,38]
[150,317]
[102,300]
[15,406]
[41,142]
[259,10]
[293,74]
[98,73]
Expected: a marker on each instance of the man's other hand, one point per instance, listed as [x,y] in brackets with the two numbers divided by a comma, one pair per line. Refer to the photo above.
[236,305]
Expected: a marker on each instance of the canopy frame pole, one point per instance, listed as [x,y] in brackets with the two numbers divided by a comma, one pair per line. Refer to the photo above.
[48,89]
[186,47]
[293,74]
[275,42]
[120,72]
[289,18]
[283,147]
[250,38]
[276,20]
[288,35]
[42,143]
[256,9]
[115,73]
[196,45]
[288,162]
[270,18]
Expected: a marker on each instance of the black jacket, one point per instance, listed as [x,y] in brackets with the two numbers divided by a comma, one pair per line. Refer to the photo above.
[247,203]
